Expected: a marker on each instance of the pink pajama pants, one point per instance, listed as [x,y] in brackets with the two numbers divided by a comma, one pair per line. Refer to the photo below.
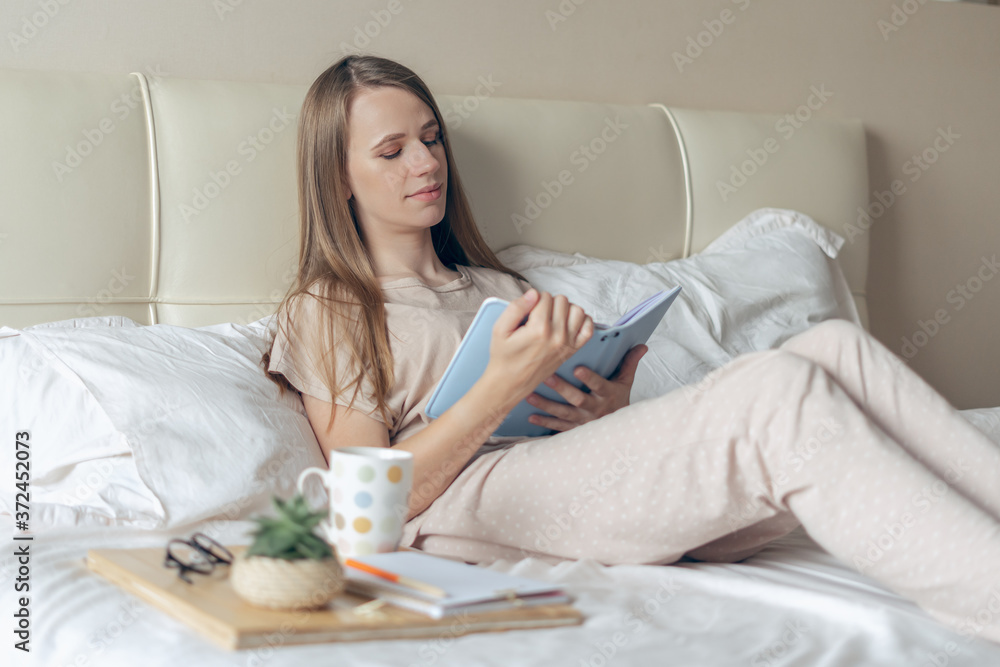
[831,430]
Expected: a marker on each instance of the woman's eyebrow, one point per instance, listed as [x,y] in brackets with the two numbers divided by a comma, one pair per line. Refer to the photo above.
[398,135]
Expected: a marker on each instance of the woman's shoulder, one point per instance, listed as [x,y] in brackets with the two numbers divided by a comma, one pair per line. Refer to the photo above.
[321,295]
[313,313]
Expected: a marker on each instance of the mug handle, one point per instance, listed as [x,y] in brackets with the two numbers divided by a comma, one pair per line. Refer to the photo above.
[325,524]
[305,473]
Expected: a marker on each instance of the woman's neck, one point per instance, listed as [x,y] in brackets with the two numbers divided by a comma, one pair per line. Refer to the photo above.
[408,256]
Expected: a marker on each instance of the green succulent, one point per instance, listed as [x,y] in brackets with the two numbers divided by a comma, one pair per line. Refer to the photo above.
[290,535]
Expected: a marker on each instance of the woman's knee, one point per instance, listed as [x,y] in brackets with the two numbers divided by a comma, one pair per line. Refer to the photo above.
[785,369]
[828,335]
[775,374]
[764,372]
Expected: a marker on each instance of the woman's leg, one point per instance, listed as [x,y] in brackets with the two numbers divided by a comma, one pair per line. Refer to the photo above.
[908,409]
[587,492]
[746,541]
[904,406]
[768,434]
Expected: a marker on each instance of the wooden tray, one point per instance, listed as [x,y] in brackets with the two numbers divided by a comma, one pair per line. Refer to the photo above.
[211,607]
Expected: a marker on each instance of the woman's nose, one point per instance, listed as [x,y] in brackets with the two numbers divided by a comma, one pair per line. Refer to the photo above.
[422,160]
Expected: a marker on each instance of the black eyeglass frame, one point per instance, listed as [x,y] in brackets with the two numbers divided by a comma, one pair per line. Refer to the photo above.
[206,550]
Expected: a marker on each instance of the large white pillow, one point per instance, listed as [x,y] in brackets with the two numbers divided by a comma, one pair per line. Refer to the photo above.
[770,276]
[195,427]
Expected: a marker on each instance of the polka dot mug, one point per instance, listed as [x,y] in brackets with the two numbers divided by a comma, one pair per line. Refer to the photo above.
[368,489]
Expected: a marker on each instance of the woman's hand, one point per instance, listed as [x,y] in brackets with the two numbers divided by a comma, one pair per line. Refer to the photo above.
[522,356]
[605,396]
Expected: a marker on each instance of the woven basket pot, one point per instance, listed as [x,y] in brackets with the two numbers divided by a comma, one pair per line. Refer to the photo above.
[277,583]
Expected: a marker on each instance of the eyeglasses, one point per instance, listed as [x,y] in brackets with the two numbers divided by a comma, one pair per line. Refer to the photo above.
[199,554]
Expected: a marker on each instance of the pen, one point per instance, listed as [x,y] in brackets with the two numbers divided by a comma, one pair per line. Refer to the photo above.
[397,578]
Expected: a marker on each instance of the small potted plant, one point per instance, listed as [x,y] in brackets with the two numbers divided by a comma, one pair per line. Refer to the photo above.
[288,566]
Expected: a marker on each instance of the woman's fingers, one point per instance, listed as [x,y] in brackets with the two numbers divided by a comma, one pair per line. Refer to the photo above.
[542,312]
[586,331]
[564,319]
[576,319]
[571,318]
[560,312]
[515,311]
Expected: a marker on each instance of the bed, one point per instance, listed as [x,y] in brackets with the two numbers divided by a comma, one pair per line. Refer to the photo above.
[149,230]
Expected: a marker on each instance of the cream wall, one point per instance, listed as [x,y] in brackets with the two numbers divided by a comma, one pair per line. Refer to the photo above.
[909,85]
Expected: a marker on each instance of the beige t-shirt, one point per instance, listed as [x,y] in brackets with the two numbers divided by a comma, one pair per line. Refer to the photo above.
[425,325]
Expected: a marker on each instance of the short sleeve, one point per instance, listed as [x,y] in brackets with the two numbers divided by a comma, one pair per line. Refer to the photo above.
[298,353]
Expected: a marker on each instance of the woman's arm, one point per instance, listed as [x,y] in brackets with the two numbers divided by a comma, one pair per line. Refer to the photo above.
[520,358]
[444,446]
[440,450]
[351,428]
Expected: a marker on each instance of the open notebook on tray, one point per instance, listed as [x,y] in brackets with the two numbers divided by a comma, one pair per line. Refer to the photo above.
[603,354]
[467,588]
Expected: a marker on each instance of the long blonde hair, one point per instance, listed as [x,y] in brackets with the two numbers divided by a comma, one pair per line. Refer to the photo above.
[334,264]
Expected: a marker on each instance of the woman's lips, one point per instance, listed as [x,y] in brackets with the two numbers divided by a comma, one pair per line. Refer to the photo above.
[428,196]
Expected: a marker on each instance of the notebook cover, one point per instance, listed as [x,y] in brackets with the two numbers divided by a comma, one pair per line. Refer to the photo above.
[211,607]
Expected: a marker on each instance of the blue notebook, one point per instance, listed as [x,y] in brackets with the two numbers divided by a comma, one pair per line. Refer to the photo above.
[603,354]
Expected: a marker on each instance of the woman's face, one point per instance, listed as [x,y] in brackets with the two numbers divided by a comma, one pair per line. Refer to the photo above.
[394,153]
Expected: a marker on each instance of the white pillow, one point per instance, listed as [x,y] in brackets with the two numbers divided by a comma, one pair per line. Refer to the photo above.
[81,468]
[207,429]
[986,420]
[770,276]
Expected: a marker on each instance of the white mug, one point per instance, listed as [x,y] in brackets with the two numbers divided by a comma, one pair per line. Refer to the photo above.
[369,488]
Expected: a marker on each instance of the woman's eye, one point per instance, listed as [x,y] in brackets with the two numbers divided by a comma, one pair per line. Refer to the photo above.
[436,140]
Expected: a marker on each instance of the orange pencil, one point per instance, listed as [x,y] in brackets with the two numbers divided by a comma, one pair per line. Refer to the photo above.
[398,578]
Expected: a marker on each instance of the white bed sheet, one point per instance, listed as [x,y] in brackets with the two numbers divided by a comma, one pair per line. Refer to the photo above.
[791,604]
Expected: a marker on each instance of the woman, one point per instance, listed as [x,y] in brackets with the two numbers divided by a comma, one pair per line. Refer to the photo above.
[830,430]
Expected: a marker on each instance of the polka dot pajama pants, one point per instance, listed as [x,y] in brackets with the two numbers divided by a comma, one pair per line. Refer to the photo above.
[830,430]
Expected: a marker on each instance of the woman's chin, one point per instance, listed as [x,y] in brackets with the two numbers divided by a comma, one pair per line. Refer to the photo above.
[427,216]
[433,216]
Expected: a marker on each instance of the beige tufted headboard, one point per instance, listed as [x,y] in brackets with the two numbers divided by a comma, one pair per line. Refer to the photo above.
[174,200]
